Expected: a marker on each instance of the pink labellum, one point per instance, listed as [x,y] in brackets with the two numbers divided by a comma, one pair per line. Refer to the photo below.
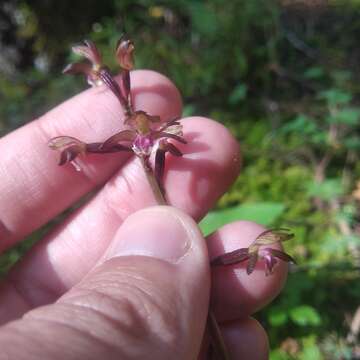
[143,145]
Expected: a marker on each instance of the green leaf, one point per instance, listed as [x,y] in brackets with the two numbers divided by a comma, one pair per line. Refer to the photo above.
[263,213]
[349,116]
[311,353]
[277,317]
[335,97]
[311,350]
[305,315]
[238,94]
[301,124]
[279,355]
[314,73]
[203,18]
[326,190]
[352,142]
[188,110]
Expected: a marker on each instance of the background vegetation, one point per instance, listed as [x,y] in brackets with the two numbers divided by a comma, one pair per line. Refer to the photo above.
[284,76]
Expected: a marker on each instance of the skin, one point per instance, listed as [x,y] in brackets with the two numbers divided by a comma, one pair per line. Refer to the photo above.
[114,281]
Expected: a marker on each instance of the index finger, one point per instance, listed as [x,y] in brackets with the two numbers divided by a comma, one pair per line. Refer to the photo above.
[33,188]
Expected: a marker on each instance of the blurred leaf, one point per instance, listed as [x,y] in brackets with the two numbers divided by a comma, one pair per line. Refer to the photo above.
[277,316]
[262,213]
[310,349]
[238,94]
[279,355]
[335,97]
[349,116]
[326,190]
[305,315]
[301,124]
[352,142]
[314,72]
[204,19]
[188,110]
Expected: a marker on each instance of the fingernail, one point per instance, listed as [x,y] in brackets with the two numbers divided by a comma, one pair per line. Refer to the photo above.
[158,232]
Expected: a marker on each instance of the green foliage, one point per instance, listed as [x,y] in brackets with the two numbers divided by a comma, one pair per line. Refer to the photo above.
[325,190]
[262,213]
[305,315]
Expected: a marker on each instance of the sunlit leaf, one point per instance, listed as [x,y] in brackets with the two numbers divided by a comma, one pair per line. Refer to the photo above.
[305,315]
[264,213]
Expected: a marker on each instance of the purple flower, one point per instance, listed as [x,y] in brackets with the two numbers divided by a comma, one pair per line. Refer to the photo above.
[145,134]
[98,74]
[144,137]
[256,252]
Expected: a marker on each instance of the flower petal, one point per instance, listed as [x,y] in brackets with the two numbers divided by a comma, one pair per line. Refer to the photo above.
[174,121]
[163,134]
[281,255]
[77,68]
[108,80]
[173,150]
[125,53]
[69,154]
[99,148]
[230,258]
[159,164]
[125,84]
[273,236]
[125,135]
[253,258]
[60,142]
[89,51]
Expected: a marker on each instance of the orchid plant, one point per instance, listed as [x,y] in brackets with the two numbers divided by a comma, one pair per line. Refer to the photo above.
[146,136]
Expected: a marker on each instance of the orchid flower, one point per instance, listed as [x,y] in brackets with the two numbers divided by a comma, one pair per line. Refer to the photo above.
[256,252]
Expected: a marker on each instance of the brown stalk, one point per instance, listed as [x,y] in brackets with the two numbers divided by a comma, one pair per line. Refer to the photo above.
[216,339]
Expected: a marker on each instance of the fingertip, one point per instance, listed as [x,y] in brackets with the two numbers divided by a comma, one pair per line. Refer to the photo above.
[151,87]
[210,163]
[246,339]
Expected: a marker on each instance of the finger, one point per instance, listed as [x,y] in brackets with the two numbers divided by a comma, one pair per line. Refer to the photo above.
[33,188]
[130,307]
[244,339]
[194,183]
[234,293]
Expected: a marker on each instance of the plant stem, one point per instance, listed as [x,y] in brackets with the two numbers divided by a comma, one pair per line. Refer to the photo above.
[216,339]
[159,196]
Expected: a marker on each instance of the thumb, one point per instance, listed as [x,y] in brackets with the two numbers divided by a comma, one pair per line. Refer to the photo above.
[147,299]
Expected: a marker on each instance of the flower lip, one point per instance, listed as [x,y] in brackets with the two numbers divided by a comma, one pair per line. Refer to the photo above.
[143,145]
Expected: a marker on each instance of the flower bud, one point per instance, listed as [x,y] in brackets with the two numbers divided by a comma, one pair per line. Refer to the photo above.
[124,54]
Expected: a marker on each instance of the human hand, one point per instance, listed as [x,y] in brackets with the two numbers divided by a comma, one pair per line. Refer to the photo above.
[112,281]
